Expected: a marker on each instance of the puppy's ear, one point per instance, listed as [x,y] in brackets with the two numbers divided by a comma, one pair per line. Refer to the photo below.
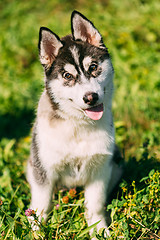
[49,45]
[84,30]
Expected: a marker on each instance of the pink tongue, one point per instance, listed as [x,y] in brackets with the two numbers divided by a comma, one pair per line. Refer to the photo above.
[95,113]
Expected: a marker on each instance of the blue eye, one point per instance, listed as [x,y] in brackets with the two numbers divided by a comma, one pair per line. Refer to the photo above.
[67,76]
[93,67]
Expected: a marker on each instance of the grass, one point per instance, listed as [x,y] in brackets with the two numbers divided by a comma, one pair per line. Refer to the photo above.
[131,32]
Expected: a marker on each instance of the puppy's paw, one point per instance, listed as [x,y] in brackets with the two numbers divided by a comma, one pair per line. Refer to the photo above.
[103,232]
[35,225]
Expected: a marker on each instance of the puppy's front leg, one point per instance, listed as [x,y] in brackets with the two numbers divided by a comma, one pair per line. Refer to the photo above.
[41,199]
[95,199]
[41,196]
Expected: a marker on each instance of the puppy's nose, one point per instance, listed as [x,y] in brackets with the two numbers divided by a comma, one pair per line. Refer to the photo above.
[90,98]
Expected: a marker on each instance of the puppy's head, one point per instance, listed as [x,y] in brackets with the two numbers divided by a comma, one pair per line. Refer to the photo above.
[78,69]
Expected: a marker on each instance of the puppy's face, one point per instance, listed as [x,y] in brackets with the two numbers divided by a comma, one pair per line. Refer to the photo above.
[78,69]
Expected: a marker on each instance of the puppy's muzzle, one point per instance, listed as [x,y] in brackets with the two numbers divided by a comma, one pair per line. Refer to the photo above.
[90,98]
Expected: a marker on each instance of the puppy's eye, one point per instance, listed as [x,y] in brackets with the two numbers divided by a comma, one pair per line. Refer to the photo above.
[93,67]
[67,76]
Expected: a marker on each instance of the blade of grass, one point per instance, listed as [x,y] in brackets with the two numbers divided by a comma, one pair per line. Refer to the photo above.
[88,229]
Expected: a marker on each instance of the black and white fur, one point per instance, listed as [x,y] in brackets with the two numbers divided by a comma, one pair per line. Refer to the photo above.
[68,147]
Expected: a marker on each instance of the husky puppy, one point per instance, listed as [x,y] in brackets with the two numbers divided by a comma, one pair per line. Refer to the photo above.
[73,139]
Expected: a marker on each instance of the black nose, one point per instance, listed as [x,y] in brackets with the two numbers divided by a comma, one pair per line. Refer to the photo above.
[90,98]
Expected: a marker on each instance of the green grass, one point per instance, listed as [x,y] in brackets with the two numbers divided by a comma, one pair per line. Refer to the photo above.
[131,32]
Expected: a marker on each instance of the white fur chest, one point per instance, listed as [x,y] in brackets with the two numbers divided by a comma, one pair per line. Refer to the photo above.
[62,142]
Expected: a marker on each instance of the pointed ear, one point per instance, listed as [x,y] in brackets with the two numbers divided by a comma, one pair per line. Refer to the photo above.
[49,45]
[84,30]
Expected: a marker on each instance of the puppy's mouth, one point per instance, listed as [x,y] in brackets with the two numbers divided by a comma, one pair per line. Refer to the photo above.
[96,112]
